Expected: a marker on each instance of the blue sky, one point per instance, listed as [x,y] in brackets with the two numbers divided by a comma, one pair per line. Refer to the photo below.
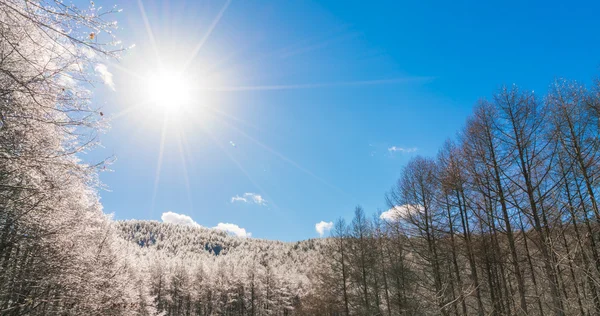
[324,90]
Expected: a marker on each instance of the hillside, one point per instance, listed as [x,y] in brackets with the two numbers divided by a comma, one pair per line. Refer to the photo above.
[206,270]
[175,240]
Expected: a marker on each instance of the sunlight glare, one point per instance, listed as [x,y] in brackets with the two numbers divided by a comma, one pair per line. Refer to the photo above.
[169,91]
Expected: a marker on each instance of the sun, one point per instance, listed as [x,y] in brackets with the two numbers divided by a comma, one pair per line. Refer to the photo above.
[169,91]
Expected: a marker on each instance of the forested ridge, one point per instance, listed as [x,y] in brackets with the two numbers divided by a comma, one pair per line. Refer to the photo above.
[504,220]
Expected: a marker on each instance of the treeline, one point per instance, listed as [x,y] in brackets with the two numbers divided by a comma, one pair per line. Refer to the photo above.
[198,271]
[504,221]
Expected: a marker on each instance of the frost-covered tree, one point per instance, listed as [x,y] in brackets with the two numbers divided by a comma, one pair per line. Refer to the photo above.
[59,252]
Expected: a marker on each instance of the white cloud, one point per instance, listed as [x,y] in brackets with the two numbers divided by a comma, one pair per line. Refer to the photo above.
[258,199]
[402,149]
[182,219]
[399,212]
[233,229]
[106,75]
[249,198]
[238,198]
[175,218]
[322,227]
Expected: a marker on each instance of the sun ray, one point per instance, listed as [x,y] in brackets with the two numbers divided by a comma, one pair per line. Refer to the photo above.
[232,117]
[214,66]
[254,183]
[125,70]
[186,148]
[318,85]
[286,159]
[159,164]
[186,179]
[304,45]
[240,167]
[207,34]
[319,45]
[128,110]
[270,200]
[310,41]
[149,31]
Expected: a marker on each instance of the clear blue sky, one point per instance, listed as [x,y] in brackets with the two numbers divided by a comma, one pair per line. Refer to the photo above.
[339,83]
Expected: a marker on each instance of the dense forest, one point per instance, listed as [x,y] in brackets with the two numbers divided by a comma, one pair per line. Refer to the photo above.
[505,220]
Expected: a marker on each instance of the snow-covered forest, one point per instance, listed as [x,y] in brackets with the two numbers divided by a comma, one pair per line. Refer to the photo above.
[504,220]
